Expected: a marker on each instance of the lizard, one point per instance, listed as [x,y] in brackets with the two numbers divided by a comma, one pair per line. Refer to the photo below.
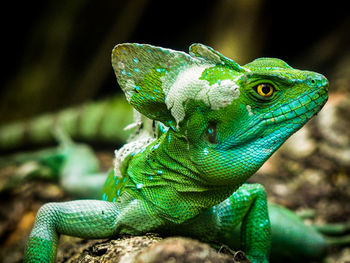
[218,122]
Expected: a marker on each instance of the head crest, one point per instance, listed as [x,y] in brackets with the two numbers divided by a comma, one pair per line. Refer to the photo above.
[158,82]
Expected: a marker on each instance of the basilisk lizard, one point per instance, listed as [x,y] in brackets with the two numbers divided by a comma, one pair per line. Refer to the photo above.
[217,123]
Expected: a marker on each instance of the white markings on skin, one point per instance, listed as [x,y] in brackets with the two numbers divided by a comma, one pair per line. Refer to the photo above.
[205,151]
[133,147]
[129,89]
[121,65]
[188,85]
[222,95]
[249,109]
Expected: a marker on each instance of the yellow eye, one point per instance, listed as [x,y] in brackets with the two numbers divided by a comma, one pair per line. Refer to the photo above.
[265,90]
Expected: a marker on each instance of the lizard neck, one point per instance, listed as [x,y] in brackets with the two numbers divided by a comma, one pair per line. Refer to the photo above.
[166,178]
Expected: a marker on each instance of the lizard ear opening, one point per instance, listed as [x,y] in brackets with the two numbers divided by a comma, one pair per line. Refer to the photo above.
[213,56]
[211,134]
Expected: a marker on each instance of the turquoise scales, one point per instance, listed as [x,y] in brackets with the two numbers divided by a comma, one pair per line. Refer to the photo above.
[219,123]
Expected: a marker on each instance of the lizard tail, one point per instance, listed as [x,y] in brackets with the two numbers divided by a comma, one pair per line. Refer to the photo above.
[335,234]
[95,122]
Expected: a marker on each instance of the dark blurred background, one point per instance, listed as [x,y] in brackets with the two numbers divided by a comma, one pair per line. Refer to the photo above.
[57,53]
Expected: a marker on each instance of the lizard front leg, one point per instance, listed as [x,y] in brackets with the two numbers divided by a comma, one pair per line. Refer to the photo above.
[247,206]
[86,219]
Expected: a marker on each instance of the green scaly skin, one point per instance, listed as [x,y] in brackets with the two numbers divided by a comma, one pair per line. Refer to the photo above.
[217,127]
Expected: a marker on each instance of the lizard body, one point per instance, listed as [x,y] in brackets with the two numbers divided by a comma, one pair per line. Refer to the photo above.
[219,122]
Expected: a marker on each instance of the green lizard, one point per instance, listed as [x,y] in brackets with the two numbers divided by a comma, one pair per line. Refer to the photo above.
[218,123]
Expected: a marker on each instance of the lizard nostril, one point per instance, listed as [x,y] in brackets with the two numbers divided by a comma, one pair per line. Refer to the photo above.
[317,81]
[313,81]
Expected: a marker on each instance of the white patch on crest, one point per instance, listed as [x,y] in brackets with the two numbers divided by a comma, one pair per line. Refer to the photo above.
[222,95]
[188,85]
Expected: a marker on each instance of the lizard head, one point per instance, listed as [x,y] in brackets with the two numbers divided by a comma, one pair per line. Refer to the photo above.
[232,117]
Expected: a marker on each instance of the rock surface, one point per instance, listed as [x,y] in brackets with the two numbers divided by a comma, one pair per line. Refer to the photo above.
[144,249]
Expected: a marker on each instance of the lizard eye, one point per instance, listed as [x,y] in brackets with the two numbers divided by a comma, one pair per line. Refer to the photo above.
[265,90]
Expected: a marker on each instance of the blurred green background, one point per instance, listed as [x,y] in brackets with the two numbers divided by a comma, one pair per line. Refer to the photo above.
[57,53]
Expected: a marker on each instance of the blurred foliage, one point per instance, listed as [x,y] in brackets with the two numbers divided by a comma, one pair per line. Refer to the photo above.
[57,53]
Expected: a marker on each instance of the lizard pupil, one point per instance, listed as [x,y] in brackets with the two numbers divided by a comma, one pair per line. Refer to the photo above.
[265,89]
